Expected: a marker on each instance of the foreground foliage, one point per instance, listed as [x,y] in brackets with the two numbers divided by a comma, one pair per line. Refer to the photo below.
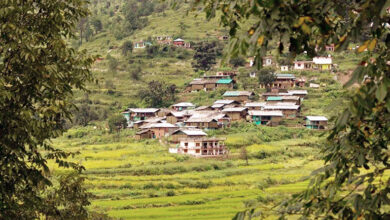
[37,73]
[360,137]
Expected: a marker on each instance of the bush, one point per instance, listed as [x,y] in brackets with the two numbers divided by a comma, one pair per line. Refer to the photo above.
[171,193]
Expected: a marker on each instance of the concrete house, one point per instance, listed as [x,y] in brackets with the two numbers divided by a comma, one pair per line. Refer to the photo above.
[268,61]
[329,47]
[284,68]
[181,43]
[183,106]
[141,44]
[303,65]
[270,118]
[316,122]
[186,133]
[239,96]
[236,114]
[322,63]
[201,147]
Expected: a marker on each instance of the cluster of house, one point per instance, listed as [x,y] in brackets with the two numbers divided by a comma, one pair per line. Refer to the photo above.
[222,80]
[184,123]
[319,63]
[165,40]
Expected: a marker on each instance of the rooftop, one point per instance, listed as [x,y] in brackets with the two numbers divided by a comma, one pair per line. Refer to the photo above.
[281,107]
[265,113]
[143,110]
[298,92]
[184,104]
[285,76]
[192,132]
[316,118]
[224,101]
[224,81]
[255,104]
[236,109]
[238,93]
[274,98]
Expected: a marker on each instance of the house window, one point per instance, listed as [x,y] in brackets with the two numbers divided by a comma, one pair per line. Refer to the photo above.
[197,144]
[186,144]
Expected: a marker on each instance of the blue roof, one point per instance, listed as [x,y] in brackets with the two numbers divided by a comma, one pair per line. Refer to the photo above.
[274,98]
[224,81]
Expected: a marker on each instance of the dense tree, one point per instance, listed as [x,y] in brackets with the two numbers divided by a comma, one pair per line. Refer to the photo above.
[127,48]
[117,122]
[38,75]
[158,94]
[204,56]
[97,25]
[352,184]
[266,77]
[237,61]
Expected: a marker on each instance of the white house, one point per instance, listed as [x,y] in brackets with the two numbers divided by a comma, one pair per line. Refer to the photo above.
[200,147]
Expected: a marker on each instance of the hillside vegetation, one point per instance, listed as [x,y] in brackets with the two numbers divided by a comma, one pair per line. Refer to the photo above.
[139,179]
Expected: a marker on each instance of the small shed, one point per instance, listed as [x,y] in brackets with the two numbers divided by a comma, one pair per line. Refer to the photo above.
[225,83]
[144,134]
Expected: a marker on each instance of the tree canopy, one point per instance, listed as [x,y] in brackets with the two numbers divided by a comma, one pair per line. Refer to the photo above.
[38,72]
[352,184]
[204,56]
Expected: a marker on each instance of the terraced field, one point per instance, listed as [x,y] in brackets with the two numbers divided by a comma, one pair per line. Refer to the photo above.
[141,180]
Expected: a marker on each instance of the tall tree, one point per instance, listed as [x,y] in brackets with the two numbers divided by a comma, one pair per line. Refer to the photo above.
[158,94]
[204,56]
[352,184]
[127,48]
[38,72]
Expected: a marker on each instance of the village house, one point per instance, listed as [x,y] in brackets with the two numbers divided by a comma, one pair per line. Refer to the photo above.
[239,96]
[268,61]
[137,114]
[202,122]
[254,105]
[141,44]
[284,68]
[181,43]
[220,104]
[303,65]
[225,84]
[227,74]
[144,134]
[329,47]
[201,147]
[203,84]
[236,114]
[179,116]
[163,112]
[277,99]
[183,106]
[186,133]
[322,63]
[289,110]
[167,40]
[316,122]
[140,123]
[161,130]
[282,81]
[270,118]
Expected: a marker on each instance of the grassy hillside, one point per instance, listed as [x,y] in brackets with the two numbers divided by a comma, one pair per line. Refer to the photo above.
[140,179]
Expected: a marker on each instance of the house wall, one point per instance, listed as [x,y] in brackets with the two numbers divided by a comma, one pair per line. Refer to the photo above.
[171,119]
[225,86]
[197,87]
[210,86]
[238,98]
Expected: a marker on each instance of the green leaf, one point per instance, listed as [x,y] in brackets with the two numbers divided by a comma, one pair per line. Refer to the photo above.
[381,92]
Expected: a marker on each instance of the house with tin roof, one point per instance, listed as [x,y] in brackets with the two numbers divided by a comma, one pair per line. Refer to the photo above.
[254,105]
[239,96]
[289,110]
[225,83]
[187,133]
[316,122]
[236,113]
[183,106]
[270,118]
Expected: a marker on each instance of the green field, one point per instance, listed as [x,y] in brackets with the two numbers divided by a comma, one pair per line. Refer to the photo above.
[141,180]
